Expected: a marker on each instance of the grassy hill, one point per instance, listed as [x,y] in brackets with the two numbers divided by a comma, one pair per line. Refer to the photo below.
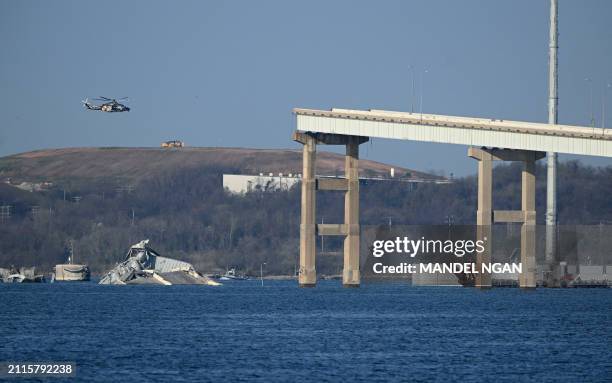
[137,164]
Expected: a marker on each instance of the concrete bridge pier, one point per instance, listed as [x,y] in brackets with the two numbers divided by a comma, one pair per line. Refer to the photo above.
[350,274]
[486,216]
[527,278]
[310,184]
[308,273]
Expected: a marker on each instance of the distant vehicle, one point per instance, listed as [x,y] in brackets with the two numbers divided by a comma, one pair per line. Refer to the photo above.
[109,105]
[173,144]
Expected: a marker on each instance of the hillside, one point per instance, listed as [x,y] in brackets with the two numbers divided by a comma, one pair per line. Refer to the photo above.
[138,164]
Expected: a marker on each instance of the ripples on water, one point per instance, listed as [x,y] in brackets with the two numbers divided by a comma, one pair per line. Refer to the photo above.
[243,332]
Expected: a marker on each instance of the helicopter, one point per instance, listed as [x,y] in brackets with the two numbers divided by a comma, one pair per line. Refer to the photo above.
[109,104]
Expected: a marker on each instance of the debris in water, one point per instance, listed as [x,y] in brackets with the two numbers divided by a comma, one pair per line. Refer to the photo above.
[143,265]
[21,275]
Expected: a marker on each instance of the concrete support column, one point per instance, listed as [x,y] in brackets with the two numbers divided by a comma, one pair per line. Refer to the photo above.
[527,214]
[350,185]
[528,229]
[350,275]
[308,274]
[484,216]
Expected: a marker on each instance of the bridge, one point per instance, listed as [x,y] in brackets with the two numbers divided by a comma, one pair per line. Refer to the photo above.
[488,140]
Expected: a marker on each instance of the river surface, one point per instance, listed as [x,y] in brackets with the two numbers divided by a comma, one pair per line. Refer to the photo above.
[281,333]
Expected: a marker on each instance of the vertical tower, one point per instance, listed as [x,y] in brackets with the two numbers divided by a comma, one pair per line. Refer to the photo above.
[551,177]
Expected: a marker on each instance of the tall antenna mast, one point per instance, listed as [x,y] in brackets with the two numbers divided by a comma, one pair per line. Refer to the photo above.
[551,176]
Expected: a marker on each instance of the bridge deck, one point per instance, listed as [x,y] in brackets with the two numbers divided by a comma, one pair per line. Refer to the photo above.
[458,130]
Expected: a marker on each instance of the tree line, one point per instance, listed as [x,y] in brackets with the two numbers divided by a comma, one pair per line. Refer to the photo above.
[186,214]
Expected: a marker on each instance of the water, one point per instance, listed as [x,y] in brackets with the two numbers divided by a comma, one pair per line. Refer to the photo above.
[243,332]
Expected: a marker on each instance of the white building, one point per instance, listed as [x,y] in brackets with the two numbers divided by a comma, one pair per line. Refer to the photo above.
[242,183]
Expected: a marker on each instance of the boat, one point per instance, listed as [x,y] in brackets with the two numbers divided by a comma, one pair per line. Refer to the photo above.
[232,275]
[71,271]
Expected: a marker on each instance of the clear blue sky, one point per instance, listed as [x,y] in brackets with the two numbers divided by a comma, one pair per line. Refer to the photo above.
[228,73]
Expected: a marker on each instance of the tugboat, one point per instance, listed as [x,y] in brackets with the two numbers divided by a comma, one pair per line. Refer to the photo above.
[71,271]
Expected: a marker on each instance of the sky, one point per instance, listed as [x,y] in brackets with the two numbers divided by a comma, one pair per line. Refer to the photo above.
[229,73]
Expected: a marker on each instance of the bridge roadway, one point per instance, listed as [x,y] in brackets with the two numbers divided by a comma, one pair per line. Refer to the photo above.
[478,132]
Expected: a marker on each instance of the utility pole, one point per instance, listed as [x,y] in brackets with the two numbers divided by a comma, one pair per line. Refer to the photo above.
[551,176]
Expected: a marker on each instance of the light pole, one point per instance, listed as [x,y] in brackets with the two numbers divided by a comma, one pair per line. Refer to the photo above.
[411,69]
[592,122]
[389,221]
[261,272]
[603,105]
[422,87]
[450,219]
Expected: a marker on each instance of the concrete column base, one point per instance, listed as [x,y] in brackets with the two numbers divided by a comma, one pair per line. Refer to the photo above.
[307,278]
[351,278]
[483,280]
